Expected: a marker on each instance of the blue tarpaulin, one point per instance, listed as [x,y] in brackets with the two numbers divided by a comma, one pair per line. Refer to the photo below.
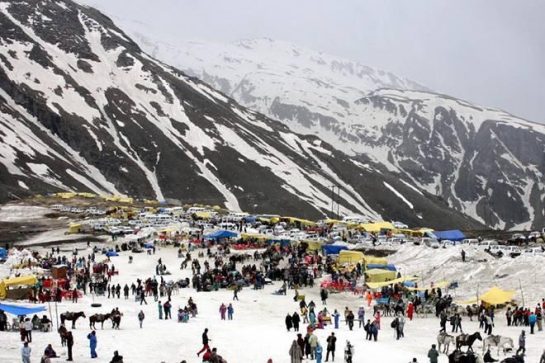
[21,310]
[112,254]
[333,249]
[389,266]
[3,252]
[453,235]
[221,234]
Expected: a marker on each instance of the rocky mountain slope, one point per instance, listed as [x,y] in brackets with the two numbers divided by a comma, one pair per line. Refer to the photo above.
[83,108]
[483,162]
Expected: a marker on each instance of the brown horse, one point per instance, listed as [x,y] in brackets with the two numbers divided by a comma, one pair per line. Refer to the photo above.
[98,318]
[467,340]
[72,317]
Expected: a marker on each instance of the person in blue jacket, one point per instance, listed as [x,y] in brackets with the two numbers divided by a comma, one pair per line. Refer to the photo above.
[318,353]
[336,317]
[532,320]
[93,343]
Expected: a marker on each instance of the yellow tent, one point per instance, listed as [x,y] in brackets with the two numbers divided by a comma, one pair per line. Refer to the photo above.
[29,280]
[314,245]
[294,220]
[125,200]
[257,236]
[496,296]
[375,260]
[376,227]
[74,228]
[378,285]
[346,256]
[203,215]
[379,275]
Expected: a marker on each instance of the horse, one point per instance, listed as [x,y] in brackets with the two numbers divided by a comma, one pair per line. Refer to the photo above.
[499,342]
[98,318]
[72,317]
[467,340]
[445,339]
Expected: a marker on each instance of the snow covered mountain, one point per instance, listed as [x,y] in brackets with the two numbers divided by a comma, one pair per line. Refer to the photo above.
[483,162]
[83,108]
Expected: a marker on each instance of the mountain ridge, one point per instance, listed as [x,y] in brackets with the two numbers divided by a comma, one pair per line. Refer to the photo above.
[83,108]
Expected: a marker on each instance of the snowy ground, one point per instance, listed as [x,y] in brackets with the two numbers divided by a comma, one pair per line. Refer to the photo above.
[257,331]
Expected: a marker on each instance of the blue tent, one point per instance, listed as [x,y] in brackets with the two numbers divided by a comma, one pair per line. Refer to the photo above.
[453,235]
[249,219]
[389,266]
[221,234]
[112,253]
[3,252]
[333,249]
[21,310]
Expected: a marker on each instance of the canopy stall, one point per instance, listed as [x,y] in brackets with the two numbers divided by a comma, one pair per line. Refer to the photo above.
[333,249]
[378,285]
[21,310]
[221,234]
[346,256]
[376,227]
[379,275]
[29,280]
[388,266]
[497,296]
[452,235]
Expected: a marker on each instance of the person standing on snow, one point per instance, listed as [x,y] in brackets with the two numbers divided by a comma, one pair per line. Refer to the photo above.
[69,344]
[410,310]
[361,317]
[318,353]
[141,317]
[230,311]
[295,319]
[93,343]
[336,317]
[223,310]
[288,322]
[25,352]
[331,341]
[433,354]
[295,352]
[159,309]
[323,295]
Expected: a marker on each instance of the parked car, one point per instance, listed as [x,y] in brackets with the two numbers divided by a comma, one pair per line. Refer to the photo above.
[533,236]
[534,251]
[517,238]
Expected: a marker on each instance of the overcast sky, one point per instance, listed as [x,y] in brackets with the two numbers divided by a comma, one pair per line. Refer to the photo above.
[491,52]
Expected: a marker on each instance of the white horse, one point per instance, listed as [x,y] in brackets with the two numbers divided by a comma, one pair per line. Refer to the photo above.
[499,342]
[446,340]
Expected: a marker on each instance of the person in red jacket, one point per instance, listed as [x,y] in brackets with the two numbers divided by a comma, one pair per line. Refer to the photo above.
[410,310]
